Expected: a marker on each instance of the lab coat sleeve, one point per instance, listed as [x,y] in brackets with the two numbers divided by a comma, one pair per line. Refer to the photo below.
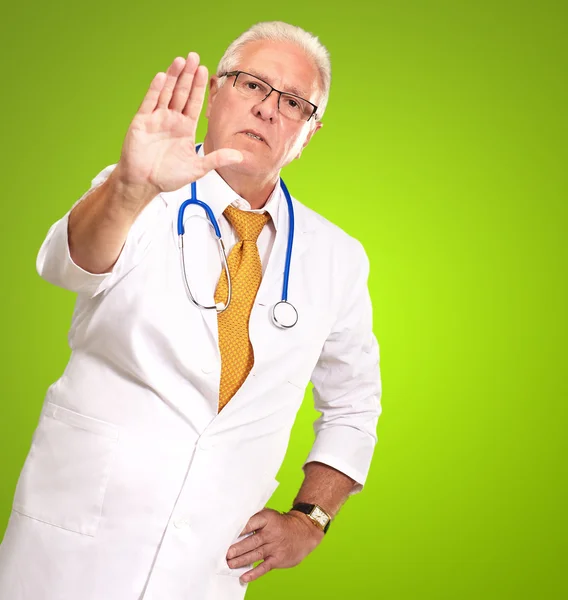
[54,262]
[347,383]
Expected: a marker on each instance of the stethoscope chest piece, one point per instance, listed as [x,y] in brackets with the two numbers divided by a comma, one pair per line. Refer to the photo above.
[284,315]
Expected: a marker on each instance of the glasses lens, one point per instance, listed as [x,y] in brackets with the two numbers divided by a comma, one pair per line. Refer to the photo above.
[250,86]
[291,106]
[295,108]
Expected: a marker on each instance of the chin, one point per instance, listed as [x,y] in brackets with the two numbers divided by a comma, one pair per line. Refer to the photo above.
[250,165]
[253,161]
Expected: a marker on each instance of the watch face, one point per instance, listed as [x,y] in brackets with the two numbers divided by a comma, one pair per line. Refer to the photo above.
[320,516]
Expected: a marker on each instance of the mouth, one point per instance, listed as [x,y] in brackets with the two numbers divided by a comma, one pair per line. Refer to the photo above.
[254,135]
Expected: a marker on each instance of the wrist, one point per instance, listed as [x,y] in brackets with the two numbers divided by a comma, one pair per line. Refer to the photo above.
[318,516]
[133,196]
[310,526]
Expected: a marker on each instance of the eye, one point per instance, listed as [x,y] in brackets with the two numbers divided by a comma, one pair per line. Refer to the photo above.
[293,104]
[251,85]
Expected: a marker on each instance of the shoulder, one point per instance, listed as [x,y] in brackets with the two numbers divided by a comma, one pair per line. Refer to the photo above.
[329,235]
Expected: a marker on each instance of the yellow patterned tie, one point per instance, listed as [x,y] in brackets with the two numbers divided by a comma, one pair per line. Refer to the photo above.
[245,268]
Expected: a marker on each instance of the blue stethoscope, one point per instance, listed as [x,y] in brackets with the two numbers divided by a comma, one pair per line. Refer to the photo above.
[284,315]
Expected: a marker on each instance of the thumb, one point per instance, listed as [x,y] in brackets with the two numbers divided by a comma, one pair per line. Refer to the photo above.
[220,158]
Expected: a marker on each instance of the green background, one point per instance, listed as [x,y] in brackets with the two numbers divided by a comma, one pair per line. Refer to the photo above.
[444,152]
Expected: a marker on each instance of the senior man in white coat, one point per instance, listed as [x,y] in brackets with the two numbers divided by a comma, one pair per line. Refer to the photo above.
[157,449]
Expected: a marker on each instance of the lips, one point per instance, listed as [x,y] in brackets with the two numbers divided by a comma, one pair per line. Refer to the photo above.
[253,134]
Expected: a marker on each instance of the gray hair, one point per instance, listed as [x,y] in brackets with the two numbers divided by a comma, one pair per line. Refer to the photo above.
[277,31]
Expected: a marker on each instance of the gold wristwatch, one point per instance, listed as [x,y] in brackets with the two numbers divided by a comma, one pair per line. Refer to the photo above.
[316,513]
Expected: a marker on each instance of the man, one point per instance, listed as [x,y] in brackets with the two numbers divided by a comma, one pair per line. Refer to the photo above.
[156,450]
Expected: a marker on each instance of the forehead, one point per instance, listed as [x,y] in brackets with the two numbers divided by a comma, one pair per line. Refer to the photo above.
[282,64]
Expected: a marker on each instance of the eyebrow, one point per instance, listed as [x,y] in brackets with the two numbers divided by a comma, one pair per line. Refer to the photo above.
[291,88]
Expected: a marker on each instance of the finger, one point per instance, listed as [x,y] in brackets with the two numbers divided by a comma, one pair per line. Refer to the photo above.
[218,159]
[259,519]
[249,544]
[151,98]
[262,569]
[248,558]
[184,83]
[171,79]
[194,103]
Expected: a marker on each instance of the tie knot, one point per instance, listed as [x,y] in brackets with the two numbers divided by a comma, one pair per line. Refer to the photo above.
[248,225]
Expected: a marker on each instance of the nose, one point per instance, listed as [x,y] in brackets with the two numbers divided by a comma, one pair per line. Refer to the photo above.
[268,108]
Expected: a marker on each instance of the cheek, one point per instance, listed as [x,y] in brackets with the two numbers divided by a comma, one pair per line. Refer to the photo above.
[229,115]
[295,144]
[220,106]
[220,122]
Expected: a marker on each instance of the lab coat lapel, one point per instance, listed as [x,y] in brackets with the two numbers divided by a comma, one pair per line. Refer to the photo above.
[270,290]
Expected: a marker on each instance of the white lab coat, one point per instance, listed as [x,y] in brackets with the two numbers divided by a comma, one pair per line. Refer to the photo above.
[135,486]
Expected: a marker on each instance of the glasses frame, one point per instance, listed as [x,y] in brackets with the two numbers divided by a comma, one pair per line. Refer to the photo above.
[272,89]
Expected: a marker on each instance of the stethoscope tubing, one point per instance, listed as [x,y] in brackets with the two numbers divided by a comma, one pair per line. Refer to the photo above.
[291,228]
[222,306]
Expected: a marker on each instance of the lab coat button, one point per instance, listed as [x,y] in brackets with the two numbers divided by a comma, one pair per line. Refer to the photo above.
[208,368]
[204,444]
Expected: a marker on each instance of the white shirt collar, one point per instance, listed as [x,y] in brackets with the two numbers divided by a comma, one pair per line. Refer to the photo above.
[216,192]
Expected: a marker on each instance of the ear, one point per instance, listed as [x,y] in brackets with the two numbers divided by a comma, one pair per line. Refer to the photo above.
[313,129]
[213,90]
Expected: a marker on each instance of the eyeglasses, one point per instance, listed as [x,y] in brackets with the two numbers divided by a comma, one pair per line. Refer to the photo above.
[289,105]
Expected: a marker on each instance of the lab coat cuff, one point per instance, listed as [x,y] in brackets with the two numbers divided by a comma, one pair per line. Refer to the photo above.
[345,451]
[339,465]
[54,263]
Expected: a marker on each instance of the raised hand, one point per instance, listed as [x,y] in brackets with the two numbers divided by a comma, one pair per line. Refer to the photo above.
[158,154]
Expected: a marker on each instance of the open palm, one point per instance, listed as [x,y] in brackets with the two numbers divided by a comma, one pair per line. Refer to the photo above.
[159,148]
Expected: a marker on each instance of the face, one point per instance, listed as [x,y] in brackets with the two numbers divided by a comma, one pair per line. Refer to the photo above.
[284,66]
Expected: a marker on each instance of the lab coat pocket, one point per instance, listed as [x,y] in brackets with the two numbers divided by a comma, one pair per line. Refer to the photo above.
[257,506]
[65,475]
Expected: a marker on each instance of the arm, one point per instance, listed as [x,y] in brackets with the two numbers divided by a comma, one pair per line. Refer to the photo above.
[347,383]
[99,224]
[325,486]
[347,391]
[158,155]
[56,264]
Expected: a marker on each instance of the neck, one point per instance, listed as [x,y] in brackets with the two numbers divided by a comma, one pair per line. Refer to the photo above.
[254,189]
